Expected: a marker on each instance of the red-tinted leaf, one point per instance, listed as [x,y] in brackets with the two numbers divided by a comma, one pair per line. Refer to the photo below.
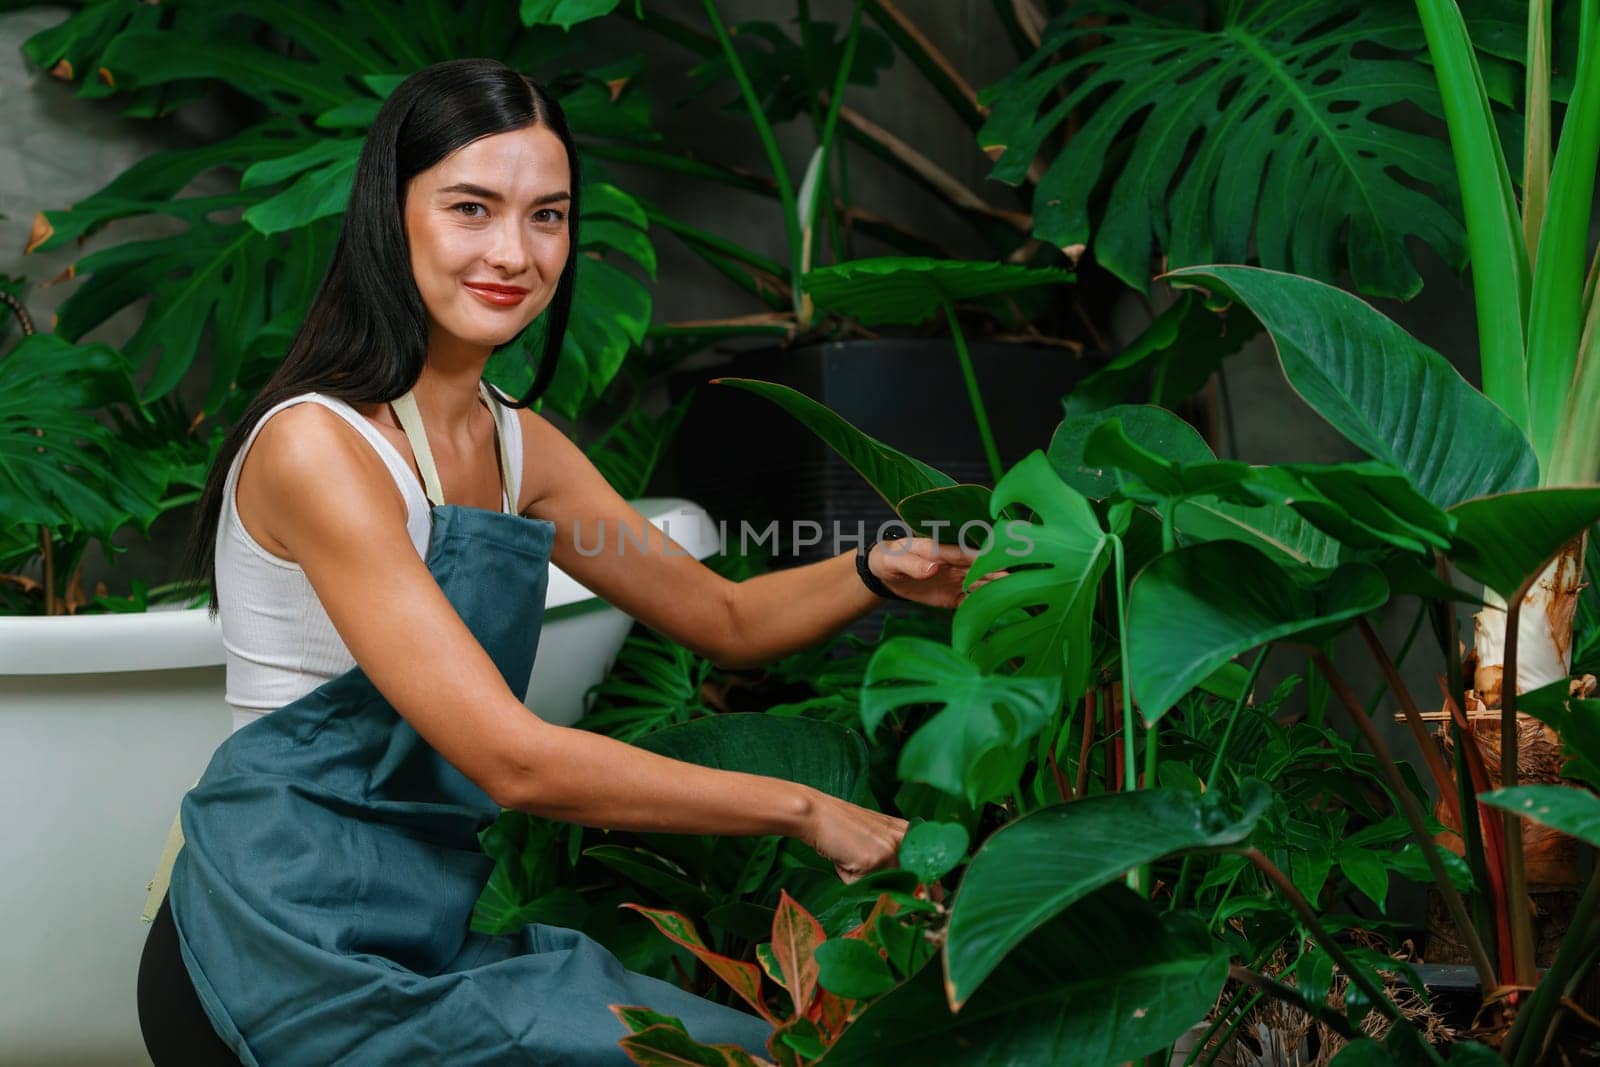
[637,1019]
[744,978]
[664,1045]
[868,930]
[795,937]
[769,963]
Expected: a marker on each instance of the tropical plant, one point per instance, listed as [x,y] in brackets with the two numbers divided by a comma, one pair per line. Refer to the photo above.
[235,277]
[1282,139]
[1540,357]
[66,479]
[1244,557]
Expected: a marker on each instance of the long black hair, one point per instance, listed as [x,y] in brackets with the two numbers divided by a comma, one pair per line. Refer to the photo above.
[365,338]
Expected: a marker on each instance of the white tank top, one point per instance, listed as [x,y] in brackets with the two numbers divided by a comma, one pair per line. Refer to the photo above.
[278,641]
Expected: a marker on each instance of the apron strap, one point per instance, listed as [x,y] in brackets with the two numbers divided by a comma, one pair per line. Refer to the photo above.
[405,409]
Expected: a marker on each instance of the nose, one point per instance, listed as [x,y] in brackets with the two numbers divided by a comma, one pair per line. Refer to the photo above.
[509,251]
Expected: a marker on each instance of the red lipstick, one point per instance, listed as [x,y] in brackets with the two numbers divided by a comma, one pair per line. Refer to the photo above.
[497,295]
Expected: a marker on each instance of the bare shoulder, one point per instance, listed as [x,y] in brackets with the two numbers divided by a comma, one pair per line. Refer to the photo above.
[310,469]
[547,452]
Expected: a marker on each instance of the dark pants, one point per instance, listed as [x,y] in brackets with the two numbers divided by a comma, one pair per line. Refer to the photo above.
[176,1030]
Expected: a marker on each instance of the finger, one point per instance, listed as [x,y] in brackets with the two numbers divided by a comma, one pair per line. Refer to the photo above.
[917,567]
[958,553]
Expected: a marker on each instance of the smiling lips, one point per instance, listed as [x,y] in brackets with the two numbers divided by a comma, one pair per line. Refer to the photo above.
[497,295]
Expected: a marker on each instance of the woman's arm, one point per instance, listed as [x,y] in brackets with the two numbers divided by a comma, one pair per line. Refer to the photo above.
[733,624]
[325,496]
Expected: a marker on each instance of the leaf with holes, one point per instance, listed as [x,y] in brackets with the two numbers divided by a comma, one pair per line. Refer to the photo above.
[1055,565]
[1259,133]
[976,744]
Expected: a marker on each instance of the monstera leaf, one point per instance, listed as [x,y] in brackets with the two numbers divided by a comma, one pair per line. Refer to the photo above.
[976,745]
[1262,124]
[60,467]
[1055,565]
[238,284]
[908,290]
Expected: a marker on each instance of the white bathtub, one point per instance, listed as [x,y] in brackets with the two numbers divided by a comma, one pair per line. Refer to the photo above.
[105,721]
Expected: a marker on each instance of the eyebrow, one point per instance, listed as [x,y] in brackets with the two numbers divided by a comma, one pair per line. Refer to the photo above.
[490,194]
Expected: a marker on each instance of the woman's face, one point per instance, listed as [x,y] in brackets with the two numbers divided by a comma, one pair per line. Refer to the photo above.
[487,226]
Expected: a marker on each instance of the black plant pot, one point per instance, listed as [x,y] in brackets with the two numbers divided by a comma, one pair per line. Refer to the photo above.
[748,461]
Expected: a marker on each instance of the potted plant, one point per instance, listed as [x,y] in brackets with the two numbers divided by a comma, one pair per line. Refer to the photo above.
[1071,693]
[116,699]
[1269,84]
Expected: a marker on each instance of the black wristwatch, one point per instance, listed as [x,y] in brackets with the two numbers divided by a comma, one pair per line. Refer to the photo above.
[870,580]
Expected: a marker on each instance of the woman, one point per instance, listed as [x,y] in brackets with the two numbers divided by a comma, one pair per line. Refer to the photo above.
[377,532]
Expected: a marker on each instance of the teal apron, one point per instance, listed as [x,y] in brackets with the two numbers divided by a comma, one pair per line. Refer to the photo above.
[330,863]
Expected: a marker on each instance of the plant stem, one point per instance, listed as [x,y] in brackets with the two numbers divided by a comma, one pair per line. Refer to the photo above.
[47,551]
[1419,732]
[974,397]
[1086,750]
[1290,995]
[1233,717]
[1535,1017]
[1516,875]
[1400,657]
[1227,1035]
[1138,879]
[808,220]
[1216,763]
[1413,816]
[780,174]
[1486,831]
[1485,917]
[1281,882]
[1152,750]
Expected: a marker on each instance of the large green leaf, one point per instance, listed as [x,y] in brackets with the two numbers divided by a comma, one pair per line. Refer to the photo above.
[908,290]
[1578,723]
[810,751]
[1395,398]
[893,474]
[1505,539]
[976,744]
[1364,505]
[60,467]
[1156,429]
[1560,807]
[1193,610]
[949,513]
[1157,478]
[1263,132]
[1105,982]
[1032,869]
[1055,564]
[1175,354]
[1557,308]
[1274,529]
[565,13]
[1499,254]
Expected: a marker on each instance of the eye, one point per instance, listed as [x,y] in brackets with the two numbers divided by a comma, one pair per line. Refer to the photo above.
[555,214]
[465,208]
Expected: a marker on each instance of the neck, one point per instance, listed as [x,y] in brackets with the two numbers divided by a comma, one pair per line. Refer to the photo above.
[447,389]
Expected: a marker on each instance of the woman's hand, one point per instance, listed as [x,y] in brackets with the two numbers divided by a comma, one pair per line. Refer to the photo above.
[922,569]
[857,840]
